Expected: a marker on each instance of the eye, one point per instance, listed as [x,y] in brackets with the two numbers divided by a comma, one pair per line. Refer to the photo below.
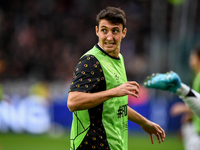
[115,31]
[104,30]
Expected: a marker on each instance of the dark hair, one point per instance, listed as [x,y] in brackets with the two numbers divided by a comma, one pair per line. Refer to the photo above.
[113,15]
[196,50]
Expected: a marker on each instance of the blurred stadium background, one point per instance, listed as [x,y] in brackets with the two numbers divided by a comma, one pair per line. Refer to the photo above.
[41,41]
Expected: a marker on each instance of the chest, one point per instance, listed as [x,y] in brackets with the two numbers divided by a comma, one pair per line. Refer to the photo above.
[114,73]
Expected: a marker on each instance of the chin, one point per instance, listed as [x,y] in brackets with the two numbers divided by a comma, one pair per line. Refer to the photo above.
[109,49]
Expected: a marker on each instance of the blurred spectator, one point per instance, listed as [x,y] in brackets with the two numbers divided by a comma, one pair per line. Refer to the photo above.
[40,89]
[44,39]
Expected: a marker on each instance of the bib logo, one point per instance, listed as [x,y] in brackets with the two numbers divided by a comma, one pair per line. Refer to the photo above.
[117,79]
[122,111]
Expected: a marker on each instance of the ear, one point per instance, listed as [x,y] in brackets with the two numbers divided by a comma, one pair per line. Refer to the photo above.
[124,32]
[97,30]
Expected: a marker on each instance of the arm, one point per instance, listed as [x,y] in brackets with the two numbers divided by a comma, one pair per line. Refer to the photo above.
[81,100]
[148,126]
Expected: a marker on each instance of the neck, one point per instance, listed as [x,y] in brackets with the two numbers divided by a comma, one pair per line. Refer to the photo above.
[114,53]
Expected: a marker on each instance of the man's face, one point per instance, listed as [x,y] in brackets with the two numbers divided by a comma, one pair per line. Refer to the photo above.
[110,36]
[194,62]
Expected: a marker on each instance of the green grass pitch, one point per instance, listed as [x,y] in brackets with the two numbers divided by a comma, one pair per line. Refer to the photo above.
[12,141]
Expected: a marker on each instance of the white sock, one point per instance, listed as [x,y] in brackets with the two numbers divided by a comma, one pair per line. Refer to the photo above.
[193,102]
[183,90]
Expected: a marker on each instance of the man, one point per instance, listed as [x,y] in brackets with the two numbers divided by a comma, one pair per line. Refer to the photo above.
[194,62]
[171,82]
[98,95]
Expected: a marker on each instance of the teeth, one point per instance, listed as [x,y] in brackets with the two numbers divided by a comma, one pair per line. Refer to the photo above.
[109,43]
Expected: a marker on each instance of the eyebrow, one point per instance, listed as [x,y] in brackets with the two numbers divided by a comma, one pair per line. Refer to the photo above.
[104,27]
[112,28]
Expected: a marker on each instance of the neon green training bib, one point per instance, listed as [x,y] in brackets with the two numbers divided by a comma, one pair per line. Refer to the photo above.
[114,116]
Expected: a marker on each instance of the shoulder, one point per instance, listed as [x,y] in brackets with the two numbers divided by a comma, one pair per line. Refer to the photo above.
[87,75]
[88,61]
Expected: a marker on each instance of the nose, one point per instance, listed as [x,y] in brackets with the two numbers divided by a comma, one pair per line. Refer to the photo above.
[109,36]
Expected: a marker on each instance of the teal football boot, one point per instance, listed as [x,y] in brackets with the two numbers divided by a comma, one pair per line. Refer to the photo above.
[169,81]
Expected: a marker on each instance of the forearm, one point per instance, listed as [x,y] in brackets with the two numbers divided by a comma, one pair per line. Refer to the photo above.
[81,100]
[148,126]
[136,117]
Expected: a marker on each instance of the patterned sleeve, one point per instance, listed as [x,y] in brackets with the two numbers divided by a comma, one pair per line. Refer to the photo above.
[88,76]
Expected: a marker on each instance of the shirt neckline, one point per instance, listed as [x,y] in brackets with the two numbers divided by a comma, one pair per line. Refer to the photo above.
[100,48]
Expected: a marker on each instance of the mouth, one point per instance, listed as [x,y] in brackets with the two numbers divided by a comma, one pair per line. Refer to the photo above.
[109,44]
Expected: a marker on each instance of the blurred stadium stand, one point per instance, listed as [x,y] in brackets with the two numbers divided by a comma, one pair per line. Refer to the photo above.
[42,40]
